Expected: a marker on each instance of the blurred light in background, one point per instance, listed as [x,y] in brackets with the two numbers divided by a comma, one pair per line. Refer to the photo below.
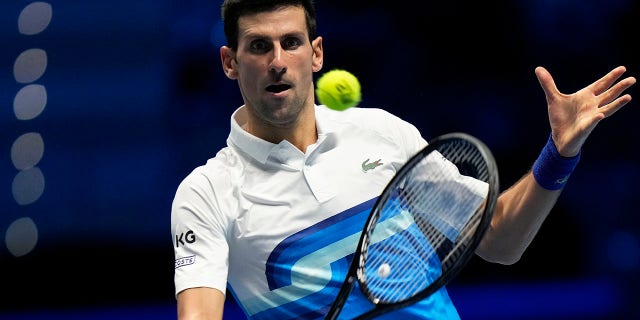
[30,65]
[28,149]
[34,18]
[28,186]
[30,101]
[21,237]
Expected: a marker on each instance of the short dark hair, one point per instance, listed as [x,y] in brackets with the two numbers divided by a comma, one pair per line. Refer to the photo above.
[232,10]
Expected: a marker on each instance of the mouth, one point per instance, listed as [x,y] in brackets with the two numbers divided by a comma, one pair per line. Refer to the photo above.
[277,88]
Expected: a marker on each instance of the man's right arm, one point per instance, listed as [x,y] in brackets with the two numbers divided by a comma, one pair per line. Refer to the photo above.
[200,303]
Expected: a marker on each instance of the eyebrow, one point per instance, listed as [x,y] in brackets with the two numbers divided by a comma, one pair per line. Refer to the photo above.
[253,36]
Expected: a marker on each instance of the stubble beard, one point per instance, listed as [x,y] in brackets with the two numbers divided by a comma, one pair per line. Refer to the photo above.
[280,113]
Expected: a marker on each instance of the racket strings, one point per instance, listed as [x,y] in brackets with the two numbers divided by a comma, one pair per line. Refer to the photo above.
[426,226]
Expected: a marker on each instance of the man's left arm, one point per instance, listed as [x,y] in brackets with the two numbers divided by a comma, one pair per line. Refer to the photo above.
[522,208]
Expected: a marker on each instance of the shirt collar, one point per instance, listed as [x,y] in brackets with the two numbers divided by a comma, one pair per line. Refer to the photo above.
[260,149]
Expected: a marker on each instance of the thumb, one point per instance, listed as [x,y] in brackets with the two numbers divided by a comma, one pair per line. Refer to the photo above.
[546,82]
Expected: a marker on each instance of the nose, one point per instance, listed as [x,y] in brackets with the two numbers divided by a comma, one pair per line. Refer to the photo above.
[277,66]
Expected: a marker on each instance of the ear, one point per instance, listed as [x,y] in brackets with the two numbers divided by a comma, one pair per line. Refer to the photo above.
[318,54]
[228,58]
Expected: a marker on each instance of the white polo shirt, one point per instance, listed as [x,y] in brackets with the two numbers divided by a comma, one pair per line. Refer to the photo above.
[279,227]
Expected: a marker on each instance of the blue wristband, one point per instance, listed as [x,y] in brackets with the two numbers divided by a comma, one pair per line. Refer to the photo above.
[551,170]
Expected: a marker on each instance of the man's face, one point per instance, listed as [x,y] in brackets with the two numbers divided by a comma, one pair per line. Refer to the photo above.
[274,65]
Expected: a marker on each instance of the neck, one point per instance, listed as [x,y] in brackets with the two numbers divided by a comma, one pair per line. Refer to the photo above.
[302,133]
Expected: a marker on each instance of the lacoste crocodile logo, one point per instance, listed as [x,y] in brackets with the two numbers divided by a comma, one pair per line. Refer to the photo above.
[366,166]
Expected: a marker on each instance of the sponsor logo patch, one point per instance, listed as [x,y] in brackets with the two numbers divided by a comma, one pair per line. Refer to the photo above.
[188,237]
[185,261]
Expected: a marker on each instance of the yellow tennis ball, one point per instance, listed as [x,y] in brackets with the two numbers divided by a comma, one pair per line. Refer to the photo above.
[338,89]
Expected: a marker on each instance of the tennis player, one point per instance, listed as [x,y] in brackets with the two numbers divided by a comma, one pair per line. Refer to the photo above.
[275,216]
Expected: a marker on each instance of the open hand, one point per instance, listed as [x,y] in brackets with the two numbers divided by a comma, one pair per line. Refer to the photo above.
[574,116]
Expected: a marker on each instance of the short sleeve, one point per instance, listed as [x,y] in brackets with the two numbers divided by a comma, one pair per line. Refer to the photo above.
[198,227]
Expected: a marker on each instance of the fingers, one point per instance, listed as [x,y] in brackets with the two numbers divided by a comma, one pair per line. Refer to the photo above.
[598,87]
[612,93]
[610,100]
[611,108]
[605,82]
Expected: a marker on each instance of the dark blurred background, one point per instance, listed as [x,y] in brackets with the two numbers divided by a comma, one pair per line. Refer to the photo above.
[105,106]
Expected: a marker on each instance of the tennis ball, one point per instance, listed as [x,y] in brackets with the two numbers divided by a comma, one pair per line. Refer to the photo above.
[338,89]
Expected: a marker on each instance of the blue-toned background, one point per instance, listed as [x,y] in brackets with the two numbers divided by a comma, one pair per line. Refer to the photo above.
[106,105]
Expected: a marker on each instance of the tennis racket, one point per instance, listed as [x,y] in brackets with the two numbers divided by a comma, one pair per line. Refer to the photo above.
[425,226]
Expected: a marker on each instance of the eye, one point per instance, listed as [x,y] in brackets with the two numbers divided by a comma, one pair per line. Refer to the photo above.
[291,43]
[259,46]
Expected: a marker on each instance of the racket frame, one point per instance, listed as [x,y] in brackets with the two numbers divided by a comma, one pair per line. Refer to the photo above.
[356,269]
